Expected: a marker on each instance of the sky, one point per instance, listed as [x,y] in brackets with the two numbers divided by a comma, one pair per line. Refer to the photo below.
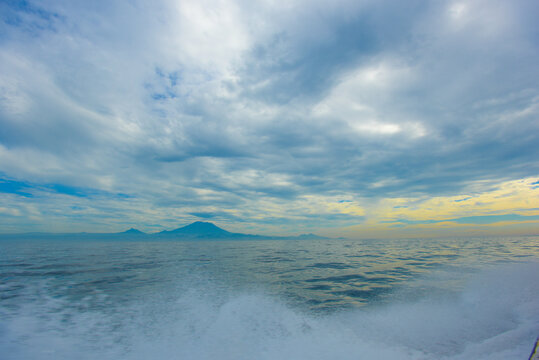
[343,118]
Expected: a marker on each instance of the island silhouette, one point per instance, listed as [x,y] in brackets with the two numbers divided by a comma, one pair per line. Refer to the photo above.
[198,230]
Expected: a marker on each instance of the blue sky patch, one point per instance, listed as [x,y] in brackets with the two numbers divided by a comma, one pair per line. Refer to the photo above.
[491,219]
[69,190]
[472,220]
[15,187]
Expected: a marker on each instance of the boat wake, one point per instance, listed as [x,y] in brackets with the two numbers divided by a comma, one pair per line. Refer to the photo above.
[495,317]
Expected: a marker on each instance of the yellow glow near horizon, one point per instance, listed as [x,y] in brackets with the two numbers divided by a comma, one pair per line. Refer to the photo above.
[517,197]
[520,197]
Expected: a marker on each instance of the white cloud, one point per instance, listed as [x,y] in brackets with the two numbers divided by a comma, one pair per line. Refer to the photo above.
[208,104]
[10,211]
[363,97]
[209,34]
[374,127]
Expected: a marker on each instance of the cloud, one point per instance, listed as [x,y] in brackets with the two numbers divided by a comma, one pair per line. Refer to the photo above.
[243,110]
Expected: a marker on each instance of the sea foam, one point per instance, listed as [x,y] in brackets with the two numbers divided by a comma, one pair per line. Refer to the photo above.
[496,316]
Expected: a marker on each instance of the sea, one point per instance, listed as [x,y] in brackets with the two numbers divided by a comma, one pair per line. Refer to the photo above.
[452,298]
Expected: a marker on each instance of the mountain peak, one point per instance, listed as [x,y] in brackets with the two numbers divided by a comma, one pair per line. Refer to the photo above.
[200,228]
[133,231]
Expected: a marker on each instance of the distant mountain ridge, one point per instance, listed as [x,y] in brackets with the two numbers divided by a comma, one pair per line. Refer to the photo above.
[198,230]
[133,231]
[208,230]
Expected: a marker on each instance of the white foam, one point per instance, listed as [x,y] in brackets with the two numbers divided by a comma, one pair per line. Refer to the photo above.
[495,317]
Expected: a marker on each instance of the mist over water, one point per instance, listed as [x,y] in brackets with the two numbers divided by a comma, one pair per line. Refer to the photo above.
[324,299]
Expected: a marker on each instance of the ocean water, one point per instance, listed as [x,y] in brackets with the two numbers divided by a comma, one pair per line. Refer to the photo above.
[467,298]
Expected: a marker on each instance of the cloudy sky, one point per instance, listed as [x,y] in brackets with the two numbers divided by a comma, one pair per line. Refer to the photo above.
[348,118]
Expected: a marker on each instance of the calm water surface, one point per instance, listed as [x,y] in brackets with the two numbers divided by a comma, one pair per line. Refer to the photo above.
[327,299]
